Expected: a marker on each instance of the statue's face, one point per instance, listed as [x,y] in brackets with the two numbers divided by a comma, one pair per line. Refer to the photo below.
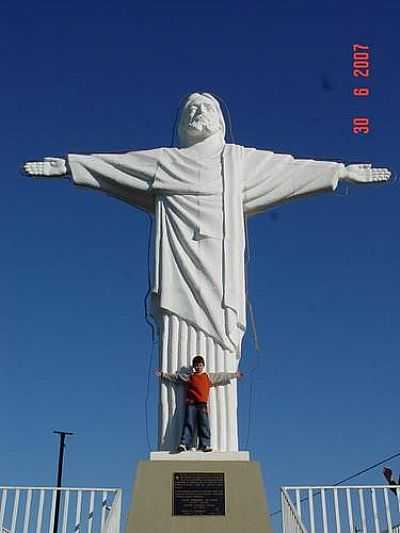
[200,119]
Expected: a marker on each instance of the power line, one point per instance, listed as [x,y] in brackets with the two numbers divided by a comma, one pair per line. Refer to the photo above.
[347,478]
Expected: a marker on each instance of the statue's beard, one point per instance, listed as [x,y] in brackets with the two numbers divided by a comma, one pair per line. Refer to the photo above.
[202,125]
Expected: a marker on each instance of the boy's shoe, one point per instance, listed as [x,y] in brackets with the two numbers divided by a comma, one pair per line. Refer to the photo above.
[181,448]
[206,449]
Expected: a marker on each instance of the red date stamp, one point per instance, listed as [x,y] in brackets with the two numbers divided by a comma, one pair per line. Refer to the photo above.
[361,70]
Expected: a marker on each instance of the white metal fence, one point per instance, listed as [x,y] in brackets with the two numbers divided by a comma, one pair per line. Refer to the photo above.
[33,510]
[361,509]
[291,519]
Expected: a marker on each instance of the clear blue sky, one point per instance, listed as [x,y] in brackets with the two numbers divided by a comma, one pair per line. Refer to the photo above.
[96,76]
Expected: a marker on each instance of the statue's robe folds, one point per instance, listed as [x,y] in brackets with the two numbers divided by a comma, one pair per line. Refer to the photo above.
[199,197]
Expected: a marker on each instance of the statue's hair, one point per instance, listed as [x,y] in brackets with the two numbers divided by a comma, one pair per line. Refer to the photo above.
[189,100]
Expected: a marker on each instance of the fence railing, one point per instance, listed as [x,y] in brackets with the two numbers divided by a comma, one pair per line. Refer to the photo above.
[34,510]
[351,509]
[291,520]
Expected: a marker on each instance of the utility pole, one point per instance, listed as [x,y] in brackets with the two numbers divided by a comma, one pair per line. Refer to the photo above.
[59,475]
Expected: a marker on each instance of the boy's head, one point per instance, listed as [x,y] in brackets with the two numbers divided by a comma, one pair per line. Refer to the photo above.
[198,363]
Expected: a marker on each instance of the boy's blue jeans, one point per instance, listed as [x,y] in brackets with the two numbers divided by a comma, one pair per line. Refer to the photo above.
[196,417]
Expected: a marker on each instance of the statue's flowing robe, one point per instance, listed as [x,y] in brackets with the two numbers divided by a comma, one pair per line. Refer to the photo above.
[199,197]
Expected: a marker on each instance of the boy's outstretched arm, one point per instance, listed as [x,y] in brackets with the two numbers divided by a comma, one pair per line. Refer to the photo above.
[223,378]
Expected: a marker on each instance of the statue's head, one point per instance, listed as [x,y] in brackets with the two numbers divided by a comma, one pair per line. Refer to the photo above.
[200,117]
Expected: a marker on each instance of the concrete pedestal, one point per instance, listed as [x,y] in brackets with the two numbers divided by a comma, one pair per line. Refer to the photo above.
[151,510]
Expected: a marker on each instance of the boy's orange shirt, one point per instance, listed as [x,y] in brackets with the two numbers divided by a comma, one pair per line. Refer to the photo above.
[198,388]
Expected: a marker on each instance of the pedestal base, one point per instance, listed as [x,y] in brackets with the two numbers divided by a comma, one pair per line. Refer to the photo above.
[152,508]
[200,456]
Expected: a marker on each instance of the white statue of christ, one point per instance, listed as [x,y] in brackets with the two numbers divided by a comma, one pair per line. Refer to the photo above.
[199,195]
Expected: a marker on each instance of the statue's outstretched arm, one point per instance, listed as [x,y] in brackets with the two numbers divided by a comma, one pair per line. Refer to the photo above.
[127,176]
[275,178]
[50,167]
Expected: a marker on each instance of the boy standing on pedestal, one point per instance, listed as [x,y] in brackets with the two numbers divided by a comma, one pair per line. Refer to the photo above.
[197,389]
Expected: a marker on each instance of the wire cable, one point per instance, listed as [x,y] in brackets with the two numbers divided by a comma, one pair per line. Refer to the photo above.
[255,337]
[150,322]
[227,116]
[147,397]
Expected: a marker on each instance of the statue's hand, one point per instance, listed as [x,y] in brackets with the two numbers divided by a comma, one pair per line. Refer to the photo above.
[51,166]
[364,173]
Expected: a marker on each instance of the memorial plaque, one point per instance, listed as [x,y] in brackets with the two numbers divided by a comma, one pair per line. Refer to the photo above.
[199,493]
